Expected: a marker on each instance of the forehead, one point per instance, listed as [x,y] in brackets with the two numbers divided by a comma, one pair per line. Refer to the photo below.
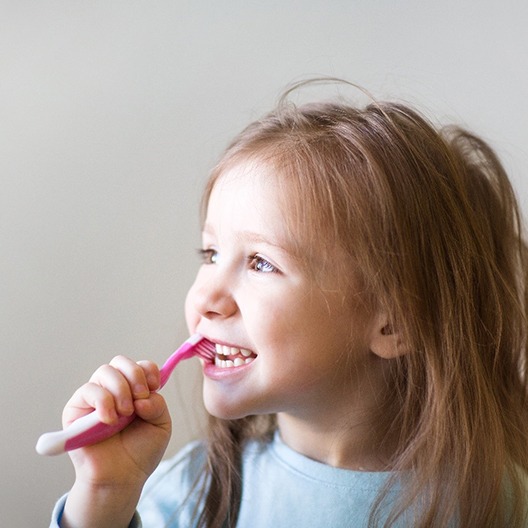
[246,197]
[246,178]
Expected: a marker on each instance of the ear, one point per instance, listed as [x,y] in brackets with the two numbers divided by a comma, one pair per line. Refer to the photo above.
[386,342]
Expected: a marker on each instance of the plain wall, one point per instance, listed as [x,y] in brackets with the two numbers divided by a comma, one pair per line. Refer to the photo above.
[111,115]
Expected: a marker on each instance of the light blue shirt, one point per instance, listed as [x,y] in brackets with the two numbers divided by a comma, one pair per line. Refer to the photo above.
[281,488]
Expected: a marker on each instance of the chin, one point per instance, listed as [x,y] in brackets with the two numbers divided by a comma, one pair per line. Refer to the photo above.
[225,414]
[225,410]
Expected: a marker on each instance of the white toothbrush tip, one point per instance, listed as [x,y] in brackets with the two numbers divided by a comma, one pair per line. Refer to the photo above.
[49,444]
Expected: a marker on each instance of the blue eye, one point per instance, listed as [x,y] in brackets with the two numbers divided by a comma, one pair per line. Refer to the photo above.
[261,265]
[209,256]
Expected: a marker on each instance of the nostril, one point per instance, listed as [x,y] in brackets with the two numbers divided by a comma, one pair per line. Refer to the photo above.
[214,303]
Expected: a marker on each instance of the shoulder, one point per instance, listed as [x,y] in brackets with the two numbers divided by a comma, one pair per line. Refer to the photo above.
[179,471]
[186,465]
[172,492]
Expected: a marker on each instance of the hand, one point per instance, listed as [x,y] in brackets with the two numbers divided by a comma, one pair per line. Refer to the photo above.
[113,472]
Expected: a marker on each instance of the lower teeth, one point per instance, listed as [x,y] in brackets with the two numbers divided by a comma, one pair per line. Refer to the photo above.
[229,363]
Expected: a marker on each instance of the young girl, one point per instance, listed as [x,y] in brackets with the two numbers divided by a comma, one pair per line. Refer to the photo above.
[364,278]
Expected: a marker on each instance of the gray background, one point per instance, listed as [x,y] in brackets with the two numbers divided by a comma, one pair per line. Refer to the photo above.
[111,114]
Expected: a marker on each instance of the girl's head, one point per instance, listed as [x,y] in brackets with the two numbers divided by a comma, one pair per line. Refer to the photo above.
[419,228]
[424,219]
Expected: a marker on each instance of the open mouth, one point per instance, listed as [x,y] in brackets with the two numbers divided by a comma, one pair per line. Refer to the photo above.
[229,357]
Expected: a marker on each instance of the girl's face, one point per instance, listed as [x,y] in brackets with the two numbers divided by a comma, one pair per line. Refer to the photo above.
[285,343]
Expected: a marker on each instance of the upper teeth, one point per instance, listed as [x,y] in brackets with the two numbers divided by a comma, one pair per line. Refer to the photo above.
[231,351]
[226,351]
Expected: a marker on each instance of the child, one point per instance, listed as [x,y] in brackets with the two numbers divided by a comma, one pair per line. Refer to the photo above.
[364,276]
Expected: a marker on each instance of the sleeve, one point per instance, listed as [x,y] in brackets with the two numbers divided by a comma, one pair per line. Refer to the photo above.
[170,495]
[57,512]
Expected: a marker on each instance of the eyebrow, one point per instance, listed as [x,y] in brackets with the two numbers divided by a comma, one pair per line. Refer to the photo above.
[253,237]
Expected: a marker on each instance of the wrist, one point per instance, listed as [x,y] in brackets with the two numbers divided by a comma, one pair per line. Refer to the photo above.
[100,506]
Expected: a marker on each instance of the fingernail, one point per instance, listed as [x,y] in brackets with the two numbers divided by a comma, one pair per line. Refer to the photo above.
[112,414]
[140,390]
[152,380]
[127,406]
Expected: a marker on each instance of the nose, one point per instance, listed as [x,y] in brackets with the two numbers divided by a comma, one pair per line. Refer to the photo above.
[212,297]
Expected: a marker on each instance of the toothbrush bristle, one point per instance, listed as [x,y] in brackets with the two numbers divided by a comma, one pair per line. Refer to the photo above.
[205,349]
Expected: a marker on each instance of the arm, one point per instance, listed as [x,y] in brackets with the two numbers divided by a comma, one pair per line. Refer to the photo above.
[87,507]
[109,476]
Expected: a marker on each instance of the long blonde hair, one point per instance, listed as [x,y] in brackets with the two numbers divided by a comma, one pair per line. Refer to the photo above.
[430,221]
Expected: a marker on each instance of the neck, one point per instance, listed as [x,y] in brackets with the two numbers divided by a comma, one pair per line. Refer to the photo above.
[348,449]
[357,434]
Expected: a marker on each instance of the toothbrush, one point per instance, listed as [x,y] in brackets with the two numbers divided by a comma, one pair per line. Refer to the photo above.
[88,430]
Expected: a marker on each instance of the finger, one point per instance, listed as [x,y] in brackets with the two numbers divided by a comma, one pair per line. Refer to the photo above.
[134,374]
[152,374]
[118,385]
[87,398]
[154,410]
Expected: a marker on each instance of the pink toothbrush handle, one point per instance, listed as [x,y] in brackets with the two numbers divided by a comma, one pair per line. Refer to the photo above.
[98,433]
[85,431]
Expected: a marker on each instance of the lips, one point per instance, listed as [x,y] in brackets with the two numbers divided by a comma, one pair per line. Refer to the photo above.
[230,357]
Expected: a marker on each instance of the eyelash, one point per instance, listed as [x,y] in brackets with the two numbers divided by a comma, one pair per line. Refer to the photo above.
[208,256]
[256,262]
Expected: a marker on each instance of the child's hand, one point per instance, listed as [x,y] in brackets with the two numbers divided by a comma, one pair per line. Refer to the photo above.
[116,469]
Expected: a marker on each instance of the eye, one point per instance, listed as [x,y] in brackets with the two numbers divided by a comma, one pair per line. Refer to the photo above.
[208,256]
[261,265]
